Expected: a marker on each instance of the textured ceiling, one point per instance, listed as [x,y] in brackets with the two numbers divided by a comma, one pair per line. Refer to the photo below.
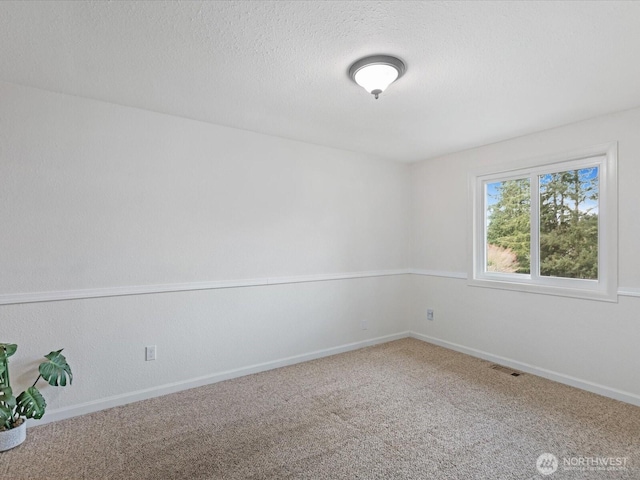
[478,72]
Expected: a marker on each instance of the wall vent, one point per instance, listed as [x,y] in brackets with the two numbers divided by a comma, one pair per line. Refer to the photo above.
[503,369]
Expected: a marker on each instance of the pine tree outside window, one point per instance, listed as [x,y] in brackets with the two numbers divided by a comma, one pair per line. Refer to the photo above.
[548,225]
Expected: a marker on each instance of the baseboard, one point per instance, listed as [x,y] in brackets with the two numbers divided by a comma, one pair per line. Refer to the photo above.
[603,390]
[123,399]
[118,400]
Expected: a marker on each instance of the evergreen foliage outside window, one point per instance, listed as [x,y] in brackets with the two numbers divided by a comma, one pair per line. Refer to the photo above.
[569,224]
[509,225]
[550,225]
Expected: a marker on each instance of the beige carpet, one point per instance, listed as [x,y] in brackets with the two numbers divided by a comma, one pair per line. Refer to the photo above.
[402,410]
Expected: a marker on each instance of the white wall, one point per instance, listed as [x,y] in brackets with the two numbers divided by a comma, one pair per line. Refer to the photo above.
[588,341]
[101,197]
[107,199]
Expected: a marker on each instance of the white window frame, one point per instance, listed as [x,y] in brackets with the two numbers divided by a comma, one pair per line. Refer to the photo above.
[605,157]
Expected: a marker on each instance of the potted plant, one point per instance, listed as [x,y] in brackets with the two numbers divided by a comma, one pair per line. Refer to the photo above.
[14,411]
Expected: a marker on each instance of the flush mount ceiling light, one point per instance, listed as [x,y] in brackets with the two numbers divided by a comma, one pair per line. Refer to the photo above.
[377,72]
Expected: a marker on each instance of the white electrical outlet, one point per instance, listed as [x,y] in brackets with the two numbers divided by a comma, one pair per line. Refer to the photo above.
[150,353]
[429,314]
[364,324]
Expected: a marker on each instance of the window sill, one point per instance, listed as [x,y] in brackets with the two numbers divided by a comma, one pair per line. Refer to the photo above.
[599,294]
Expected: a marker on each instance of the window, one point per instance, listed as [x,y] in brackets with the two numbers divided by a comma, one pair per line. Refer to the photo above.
[548,225]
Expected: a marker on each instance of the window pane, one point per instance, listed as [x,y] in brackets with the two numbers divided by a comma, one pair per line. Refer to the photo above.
[508,226]
[569,224]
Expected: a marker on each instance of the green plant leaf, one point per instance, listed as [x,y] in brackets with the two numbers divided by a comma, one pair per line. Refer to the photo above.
[9,348]
[6,350]
[56,369]
[6,415]
[6,397]
[31,404]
